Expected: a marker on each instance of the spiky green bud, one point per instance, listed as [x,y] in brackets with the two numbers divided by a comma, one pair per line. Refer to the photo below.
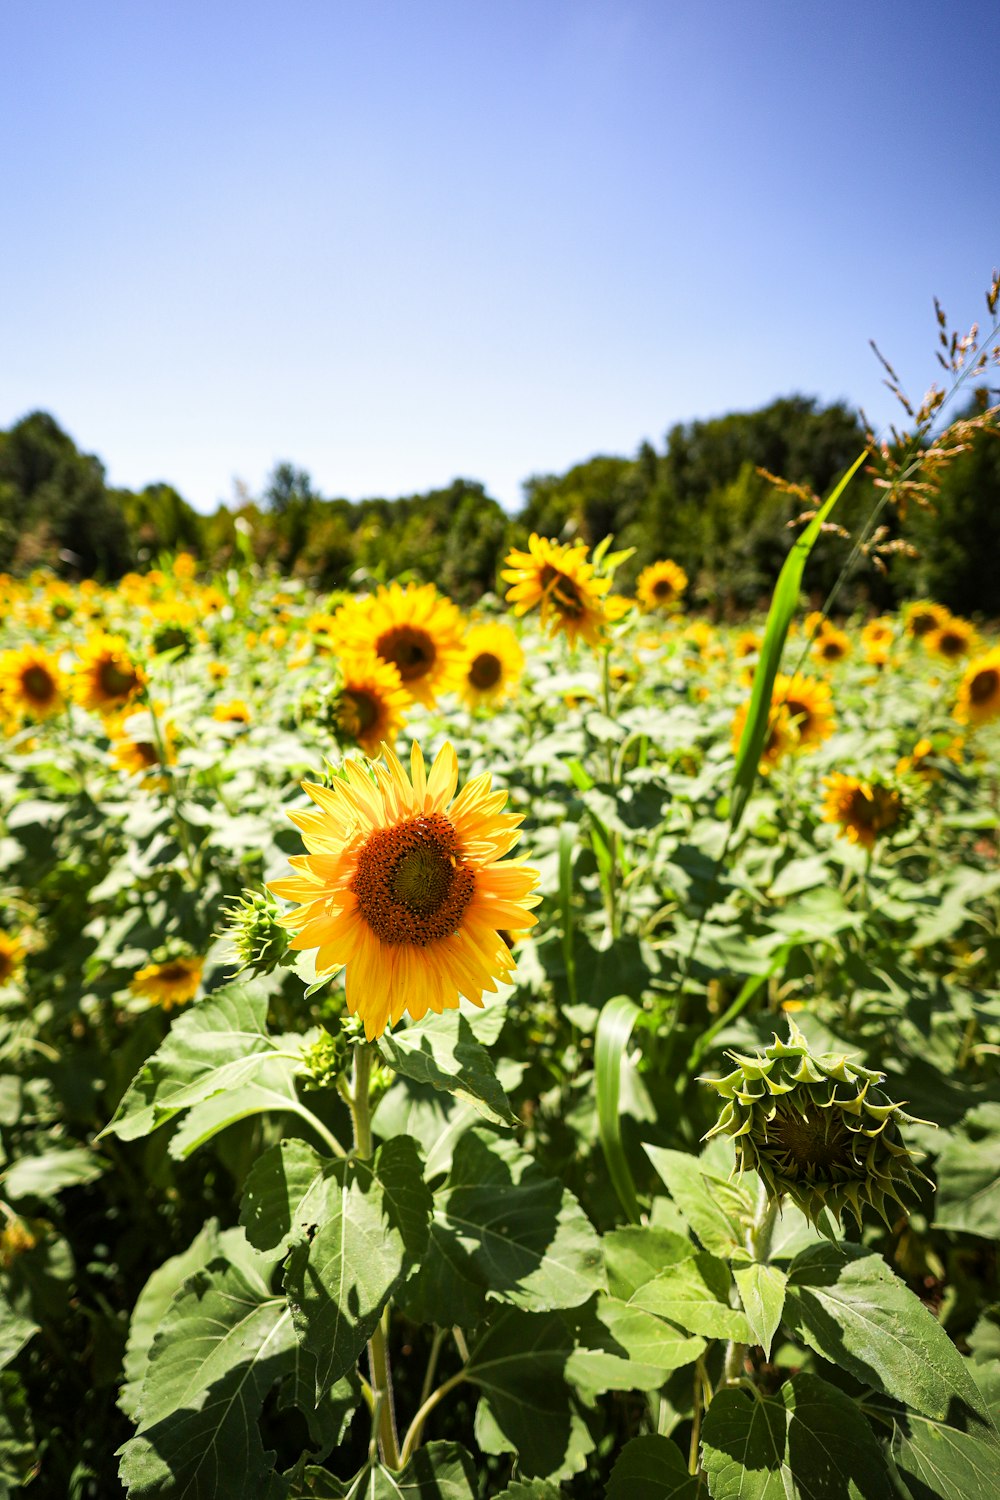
[258,939]
[325,1060]
[816,1128]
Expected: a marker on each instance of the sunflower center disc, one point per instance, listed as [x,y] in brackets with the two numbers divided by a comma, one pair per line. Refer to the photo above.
[38,684]
[562,590]
[663,588]
[410,650]
[485,670]
[984,685]
[358,712]
[814,1145]
[116,681]
[411,884]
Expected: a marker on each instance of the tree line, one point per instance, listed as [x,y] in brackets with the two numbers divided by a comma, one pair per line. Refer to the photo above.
[700,500]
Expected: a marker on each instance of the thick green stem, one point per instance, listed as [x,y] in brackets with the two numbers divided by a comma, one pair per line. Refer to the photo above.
[412,1442]
[384,1413]
[758,1243]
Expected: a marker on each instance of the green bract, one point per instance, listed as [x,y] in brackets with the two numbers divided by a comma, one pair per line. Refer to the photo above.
[258,941]
[816,1128]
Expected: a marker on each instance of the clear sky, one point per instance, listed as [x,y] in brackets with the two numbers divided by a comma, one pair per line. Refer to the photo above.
[397,241]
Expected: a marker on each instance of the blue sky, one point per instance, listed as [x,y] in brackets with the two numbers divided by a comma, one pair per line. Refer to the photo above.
[397,241]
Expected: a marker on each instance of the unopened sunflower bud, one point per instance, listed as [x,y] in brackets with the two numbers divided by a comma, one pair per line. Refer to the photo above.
[259,942]
[325,1060]
[816,1128]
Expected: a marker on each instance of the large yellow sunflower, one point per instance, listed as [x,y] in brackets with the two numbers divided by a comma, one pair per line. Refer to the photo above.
[864,809]
[406,888]
[494,663]
[371,703]
[661,585]
[952,640]
[171,983]
[557,577]
[31,682]
[107,678]
[979,690]
[809,705]
[415,628]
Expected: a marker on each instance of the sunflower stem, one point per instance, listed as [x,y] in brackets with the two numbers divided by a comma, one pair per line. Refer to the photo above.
[384,1411]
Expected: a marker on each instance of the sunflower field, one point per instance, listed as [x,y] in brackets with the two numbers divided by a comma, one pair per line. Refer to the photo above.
[547,1052]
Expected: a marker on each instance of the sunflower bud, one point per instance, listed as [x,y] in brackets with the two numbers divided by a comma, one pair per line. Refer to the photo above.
[258,941]
[326,1059]
[816,1128]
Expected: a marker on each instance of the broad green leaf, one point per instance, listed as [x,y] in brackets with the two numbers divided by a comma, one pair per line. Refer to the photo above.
[370,1221]
[437,1471]
[712,1206]
[18,1458]
[526,1406]
[809,1442]
[940,1462]
[968,1175]
[503,1231]
[283,1195]
[532,1489]
[695,1294]
[214,1047]
[652,1467]
[272,1091]
[15,1331]
[634,1255]
[848,1306]
[783,605]
[762,1292]
[634,1336]
[48,1174]
[447,1052]
[614,1028]
[224,1342]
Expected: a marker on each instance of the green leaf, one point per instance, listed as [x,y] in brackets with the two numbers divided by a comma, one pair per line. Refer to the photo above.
[271,1092]
[18,1458]
[652,1468]
[710,1205]
[809,1442]
[848,1306]
[283,1195]
[364,1225]
[614,1028]
[533,1489]
[224,1342]
[526,1406]
[15,1331]
[695,1294]
[762,1292]
[49,1173]
[447,1052]
[783,605]
[634,1255]
[624,1348]
[940,1462]
[503,1230]
[212,1048]
[437,1471]
[968,1175]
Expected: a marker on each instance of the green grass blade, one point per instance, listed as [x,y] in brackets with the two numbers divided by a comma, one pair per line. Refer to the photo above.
[783,606]
[614,1027]
[567,850]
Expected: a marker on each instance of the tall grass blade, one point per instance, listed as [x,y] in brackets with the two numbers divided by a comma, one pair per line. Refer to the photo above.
[614,1028]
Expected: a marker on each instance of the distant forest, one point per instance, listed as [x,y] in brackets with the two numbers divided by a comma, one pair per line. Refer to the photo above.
[700,501]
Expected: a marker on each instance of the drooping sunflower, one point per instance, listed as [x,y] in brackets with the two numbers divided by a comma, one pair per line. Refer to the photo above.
[11,956]
[31,682]
[922,616]
[952,640]
[979,690]
[414,628]
[405,886]
[661,585]
[370,706]
[168,984]
[493,665]
[810,707]
[557,578]
[865,810]
[831,644]
[106,678]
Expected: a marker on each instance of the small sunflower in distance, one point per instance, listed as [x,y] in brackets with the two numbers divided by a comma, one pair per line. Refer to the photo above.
[414,628]
[369,708]
[405,886]
[865,810]
[661,585]
[174,982]
[557,578]
[979,690]
[106,678]
[234,711]
[831,644]
[922,616]
[952,640]
[493,665]
[809,705]
[31,682]
[11,956]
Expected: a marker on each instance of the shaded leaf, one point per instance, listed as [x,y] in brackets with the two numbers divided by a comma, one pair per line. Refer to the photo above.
[652,1468]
